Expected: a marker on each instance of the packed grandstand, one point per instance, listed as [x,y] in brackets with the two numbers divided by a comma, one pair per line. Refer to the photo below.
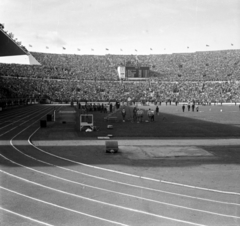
[203,77]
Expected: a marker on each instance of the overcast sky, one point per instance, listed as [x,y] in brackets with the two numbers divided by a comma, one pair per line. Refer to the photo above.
[163,25]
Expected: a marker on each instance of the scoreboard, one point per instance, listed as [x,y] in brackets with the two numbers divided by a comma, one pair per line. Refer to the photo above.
[137,72]
[132,72]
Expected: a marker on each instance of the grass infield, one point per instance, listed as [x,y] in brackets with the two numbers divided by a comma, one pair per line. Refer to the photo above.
[209,122]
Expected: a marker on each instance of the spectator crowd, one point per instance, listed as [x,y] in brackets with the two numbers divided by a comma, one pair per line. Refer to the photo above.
[201,76]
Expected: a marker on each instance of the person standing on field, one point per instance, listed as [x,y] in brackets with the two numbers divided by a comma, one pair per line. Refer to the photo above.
[157,110]
[193,106]
[183,107]
[123,114]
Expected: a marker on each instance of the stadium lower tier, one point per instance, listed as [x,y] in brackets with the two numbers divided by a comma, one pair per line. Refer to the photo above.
[151,90]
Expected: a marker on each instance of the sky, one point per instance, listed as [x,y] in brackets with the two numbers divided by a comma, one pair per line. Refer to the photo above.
[123,26]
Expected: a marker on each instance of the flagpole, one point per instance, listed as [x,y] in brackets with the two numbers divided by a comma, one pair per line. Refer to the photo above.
[150,51]
[106,51]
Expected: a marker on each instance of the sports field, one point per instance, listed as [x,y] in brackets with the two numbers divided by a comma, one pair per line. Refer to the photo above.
[213,121]
[181,169]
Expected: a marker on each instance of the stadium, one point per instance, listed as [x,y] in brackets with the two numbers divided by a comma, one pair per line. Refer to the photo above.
[119,139]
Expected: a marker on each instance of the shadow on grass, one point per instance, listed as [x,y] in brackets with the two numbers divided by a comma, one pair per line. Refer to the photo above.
[166,125]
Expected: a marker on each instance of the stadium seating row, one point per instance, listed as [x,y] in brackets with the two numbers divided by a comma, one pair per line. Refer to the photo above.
[66,90]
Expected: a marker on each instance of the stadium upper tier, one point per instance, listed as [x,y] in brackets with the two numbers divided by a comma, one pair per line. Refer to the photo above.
[213,65]
[205,66]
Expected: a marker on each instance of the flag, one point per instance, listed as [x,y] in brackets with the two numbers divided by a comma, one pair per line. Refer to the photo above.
[207,45]
[30,45]
[78,49]
[107,49]
[47,47]
[136,50]
[188,47]
[231,44]
[64,48]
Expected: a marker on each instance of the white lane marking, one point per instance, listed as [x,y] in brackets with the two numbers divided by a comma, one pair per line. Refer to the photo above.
[100,202]
[61,207]
[117,181]
[28,126]
[16,115]
[152,179]
[110,191]
[33,112]
[131,175]
[23,216]
[45,110]
[8,131]
[101,178]
[95,167]
[113,181]
[151,189]
[12,114]
[202,188]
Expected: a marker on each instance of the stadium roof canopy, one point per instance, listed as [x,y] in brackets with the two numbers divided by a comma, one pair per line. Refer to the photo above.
[11,52]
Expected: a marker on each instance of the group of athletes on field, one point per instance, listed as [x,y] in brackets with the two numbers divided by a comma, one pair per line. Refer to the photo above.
[138,114]
[151,113]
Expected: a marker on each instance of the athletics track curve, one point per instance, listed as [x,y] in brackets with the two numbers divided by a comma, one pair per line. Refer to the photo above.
[41,189]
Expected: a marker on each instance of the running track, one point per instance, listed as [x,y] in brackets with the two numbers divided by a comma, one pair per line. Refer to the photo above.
[41,189]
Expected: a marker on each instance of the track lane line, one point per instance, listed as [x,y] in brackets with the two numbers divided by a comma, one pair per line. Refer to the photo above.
[100,202]
[118,182]
[33,112]
[203,199]
[122,183]
[13,112]
[45,110]
[17,114]
[116,205]
[131,175]
[110,191]
[25,217]
[61,207]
